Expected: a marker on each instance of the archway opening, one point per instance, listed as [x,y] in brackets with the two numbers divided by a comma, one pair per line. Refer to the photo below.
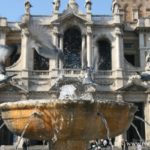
[104,51]
[40,63]
[72,48]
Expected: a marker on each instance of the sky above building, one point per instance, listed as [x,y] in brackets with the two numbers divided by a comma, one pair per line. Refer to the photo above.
[14,9]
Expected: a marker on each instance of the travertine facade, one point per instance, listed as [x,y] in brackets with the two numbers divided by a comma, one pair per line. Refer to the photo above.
[115,46]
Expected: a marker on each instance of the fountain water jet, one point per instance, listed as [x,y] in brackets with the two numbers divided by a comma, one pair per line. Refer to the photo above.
[136,129]
[2,125]
[25,128]
[141,119]
[107,128]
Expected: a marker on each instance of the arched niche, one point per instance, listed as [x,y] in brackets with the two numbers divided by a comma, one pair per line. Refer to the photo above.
[104,54]
[72,47]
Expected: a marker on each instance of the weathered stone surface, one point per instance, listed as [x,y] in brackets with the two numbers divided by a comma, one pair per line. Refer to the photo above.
[63,120]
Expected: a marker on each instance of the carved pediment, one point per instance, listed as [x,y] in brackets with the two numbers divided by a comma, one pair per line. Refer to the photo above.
[70,16]
[12,88]
[133,87]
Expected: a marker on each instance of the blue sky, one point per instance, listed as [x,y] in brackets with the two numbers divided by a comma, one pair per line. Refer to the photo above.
[14,9]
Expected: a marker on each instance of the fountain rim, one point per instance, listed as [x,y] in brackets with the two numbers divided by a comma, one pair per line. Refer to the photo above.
[50,103]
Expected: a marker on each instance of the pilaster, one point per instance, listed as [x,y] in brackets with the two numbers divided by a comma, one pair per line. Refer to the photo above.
[61,48]
[54,62]
[89,46]
[83,51]
[142,50]
[119,49]
[27,58]
[24,48]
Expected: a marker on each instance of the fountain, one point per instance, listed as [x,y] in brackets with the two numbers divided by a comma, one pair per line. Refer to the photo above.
[74,116]
[69,120]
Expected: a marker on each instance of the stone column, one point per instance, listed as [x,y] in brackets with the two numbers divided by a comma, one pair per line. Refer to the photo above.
[118,59]
[83,51]
[24,48]
[54,62]
[119,49]
[26,57]
[89,46]
[61,44]
[142,50]
[147,118]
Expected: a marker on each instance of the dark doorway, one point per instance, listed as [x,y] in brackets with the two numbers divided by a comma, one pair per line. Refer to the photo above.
[6,137]
[104,49]
[72,48]
[130,59]
[40,63]
[132,135]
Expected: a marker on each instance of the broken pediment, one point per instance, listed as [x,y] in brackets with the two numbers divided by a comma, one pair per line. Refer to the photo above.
[11,88]
[133,87]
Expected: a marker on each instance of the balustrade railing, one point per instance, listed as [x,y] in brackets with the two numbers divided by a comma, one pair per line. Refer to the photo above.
[69,73]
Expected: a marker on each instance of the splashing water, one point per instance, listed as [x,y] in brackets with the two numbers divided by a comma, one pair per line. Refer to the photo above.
[23,132]
[139,118]
[106,126]
[2,125]
[34,114]
[136,129]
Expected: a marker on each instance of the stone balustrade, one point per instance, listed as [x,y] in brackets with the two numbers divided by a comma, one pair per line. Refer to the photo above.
[70,73]
[143,22]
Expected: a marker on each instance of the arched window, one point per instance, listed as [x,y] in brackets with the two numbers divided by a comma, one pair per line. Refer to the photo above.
[13,58]
[40,63]
[104,51]
[72,48]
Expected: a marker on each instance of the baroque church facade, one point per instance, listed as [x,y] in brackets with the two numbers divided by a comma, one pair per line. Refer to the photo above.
[116,47]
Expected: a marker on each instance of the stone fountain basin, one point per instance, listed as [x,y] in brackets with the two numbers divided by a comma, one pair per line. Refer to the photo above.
[73,120]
